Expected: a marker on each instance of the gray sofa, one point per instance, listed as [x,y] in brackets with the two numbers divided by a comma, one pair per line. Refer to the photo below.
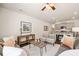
[63,48]
[51,38]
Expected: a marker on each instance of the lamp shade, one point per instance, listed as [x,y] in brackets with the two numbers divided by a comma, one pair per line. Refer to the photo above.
[75,29]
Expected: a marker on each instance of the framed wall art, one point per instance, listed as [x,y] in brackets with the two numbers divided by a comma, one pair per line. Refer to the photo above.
[26,27]
[45,28]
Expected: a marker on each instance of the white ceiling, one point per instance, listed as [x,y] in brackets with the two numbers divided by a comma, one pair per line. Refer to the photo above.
[64,11]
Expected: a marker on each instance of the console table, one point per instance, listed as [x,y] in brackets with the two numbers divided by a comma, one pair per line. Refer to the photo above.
[25,39]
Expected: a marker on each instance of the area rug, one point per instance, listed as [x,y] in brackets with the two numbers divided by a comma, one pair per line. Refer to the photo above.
[35,51]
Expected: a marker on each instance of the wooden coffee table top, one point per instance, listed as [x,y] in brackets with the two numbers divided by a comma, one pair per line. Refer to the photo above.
[39,44]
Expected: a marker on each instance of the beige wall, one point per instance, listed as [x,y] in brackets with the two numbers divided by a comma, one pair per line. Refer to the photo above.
[10,23]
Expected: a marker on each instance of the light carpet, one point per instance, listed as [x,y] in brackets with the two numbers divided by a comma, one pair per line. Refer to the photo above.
[35,51]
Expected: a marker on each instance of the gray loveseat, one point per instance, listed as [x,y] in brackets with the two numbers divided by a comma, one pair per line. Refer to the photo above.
[63,48]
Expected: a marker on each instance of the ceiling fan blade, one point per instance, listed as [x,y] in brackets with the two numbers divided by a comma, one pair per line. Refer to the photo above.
[43,8]
[53,7]
[47,3]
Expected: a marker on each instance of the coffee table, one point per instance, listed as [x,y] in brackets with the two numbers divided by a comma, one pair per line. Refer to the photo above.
[41,45]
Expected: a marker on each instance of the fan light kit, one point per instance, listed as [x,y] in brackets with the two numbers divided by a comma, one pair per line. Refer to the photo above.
[50,5]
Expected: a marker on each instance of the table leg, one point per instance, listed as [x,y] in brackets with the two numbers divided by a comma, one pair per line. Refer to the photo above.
[45,49]
[41,51]
[29,46]
[53,44]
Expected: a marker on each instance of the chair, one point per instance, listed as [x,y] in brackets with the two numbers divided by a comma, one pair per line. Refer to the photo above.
[51,38]
[66,46]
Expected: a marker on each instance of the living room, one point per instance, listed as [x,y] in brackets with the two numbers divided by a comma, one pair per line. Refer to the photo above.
[29,21]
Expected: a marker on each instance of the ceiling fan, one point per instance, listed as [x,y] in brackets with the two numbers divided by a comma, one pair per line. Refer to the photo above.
[51,5]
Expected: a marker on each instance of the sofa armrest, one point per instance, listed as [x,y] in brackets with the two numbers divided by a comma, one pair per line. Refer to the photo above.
[61,49]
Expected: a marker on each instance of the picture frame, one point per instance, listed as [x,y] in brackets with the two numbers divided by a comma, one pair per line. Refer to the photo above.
[45,28]
[26,27]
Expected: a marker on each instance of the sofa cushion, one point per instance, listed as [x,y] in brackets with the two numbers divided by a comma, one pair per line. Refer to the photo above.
[52,36]
[50,40]
[45,35]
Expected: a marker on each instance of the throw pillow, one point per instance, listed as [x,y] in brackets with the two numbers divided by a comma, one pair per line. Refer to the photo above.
[69,41]
[9,41]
